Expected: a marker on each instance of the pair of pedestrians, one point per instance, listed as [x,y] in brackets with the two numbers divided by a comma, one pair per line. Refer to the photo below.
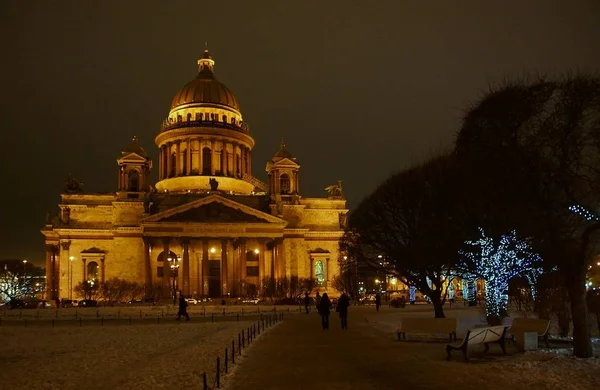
[324,308]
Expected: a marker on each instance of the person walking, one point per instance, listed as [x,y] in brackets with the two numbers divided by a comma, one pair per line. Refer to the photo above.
[306,302]
[377,301]
[342,308]
[182,309]
[318,300]
[324,310]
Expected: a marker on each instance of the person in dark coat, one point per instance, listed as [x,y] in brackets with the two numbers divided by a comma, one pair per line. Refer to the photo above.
[377,301]
[306,302]
[182,309]
[342,308]
[324,310]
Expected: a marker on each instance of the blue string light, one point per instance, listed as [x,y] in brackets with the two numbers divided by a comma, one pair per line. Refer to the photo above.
[499,261]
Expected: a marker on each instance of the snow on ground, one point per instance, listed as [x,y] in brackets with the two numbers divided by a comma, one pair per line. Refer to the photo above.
[543,368]
[124,357]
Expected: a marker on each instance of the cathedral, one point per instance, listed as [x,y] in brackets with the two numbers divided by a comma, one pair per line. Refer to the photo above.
[208,227]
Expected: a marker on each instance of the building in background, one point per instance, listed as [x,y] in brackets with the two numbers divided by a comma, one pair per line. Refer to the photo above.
[208,227]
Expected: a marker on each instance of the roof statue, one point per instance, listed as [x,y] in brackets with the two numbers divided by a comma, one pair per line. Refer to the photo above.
[335,191]
[73,186]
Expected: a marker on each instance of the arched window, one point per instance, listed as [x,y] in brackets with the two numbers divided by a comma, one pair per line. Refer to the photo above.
[224,119]
[284,183]
[134,181]
[206,161]
[320,273]
[92,271]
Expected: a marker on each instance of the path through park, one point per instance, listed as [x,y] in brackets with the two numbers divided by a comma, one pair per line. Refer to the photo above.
[298,354]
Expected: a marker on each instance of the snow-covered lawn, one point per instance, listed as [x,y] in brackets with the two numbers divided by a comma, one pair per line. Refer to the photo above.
[125,357]
[543,368]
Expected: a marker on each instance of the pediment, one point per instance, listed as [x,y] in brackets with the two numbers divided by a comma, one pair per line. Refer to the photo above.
[286,162]
[214,209]
[132,157]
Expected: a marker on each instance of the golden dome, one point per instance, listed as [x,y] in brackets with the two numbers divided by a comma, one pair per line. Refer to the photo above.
[205,88]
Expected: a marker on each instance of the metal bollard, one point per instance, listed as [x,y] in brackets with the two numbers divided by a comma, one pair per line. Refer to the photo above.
[243,340]
[258,327]
[239,343]
[232,351]
[218,372]
[204,384]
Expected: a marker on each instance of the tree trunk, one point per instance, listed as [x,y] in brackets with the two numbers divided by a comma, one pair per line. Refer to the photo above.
[582,345]
[438,307]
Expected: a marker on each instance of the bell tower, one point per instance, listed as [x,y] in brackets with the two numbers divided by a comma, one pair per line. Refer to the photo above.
[283,174]
[134,169]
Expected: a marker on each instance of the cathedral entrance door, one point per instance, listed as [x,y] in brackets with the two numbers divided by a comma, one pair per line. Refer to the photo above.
[214,278]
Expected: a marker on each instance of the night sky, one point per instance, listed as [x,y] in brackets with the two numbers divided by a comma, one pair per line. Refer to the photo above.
[358,89]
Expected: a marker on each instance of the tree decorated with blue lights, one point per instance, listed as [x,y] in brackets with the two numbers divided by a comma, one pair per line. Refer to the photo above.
[497,261]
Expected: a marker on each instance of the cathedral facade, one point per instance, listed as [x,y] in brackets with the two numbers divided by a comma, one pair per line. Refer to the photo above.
[208,227]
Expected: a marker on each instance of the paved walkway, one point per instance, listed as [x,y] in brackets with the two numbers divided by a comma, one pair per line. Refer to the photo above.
[298,354]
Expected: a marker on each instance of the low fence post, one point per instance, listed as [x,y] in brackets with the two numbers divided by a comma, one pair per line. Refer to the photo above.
[258,327]
[204,384]
[243,340]
[218,372]
[232,351]
[239,343]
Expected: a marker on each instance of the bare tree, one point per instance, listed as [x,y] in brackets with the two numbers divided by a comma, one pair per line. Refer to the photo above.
[412,226]
[535,147]
[86,289]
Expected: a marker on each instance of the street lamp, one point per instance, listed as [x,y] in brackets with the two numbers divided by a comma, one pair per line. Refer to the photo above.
[71,258]
[174,267]
[25,275]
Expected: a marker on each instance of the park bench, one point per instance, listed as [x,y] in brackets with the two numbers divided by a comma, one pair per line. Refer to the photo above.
[521,325]
[427,325]
[475,336]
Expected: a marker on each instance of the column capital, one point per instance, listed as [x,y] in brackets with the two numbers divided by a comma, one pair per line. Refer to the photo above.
[65,245]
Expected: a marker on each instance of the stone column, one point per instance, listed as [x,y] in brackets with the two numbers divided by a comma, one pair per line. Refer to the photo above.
[261,262]
[84,270]
[243,158]
[242,268]
[50,270]
[233,154]
[225,167]
[185,269]
[63,257]
[281,258]
[189,157]
[102,270]
[212,156]
[166,268]
[200,154]
[224,268]
[312,267]
[178,159]
[205,266]
[249,161]
[168,157]
[147,267]
[160,163]
[327,272]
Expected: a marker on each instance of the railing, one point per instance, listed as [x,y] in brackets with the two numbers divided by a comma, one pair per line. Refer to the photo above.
[255,182]
[243,128]
[244,339]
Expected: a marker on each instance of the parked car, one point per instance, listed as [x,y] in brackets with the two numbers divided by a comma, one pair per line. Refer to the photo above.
[191,301]
[251,300]
[88,303]
[68,303]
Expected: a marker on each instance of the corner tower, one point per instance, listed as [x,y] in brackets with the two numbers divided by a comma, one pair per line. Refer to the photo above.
[204,137]
[283,172]
[134,169]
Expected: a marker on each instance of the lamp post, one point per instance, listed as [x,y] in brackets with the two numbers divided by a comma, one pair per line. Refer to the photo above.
[174,268]
[71,258]
[25,275]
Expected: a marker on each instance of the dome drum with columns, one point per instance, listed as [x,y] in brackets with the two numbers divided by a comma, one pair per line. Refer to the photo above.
[229,232]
